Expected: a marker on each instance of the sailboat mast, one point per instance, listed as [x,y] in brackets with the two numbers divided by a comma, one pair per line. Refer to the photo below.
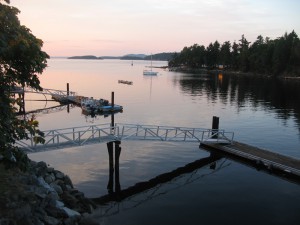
[151,62]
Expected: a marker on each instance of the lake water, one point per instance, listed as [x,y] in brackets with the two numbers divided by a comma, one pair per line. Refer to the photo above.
[262,112]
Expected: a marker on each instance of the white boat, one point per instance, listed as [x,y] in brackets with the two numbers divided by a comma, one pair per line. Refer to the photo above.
[90,105]
[150,72]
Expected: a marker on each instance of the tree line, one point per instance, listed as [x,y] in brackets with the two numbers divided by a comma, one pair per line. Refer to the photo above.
[264,56]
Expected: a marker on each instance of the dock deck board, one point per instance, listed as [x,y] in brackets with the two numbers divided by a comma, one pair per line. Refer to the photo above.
[259,157]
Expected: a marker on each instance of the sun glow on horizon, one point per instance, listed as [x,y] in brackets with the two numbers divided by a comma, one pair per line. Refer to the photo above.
[117,28]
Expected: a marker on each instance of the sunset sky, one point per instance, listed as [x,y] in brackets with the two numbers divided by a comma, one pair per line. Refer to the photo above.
[119,27]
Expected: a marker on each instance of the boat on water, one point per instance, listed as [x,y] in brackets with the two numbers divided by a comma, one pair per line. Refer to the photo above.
[91,105]
[150,72]
[125,82]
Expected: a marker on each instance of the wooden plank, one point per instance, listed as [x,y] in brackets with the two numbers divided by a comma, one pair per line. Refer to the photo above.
[259,158]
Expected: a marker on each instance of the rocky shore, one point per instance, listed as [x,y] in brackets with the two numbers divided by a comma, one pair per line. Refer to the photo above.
[41,196]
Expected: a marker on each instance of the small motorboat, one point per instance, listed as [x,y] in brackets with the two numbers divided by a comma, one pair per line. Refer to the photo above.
[91,105]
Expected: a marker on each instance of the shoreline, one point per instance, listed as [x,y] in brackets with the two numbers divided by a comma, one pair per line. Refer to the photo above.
[230,72]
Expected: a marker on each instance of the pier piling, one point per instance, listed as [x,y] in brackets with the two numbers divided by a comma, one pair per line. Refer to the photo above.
[114,174]
[68,90]
[215,126]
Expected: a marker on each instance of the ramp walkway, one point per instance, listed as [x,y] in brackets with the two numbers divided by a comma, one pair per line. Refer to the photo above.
[45,91]
[84,135]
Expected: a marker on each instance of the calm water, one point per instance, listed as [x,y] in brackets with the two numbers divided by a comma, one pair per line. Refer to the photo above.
[261,112]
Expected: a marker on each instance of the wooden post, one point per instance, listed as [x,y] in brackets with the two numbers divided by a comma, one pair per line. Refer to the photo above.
[112,99]
[68,93]
[117,160]
[112,113]
[215,127]
[110,149]
[68,90]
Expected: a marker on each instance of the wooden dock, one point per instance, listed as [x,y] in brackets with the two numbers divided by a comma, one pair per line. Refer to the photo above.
[277,164]
[68,99]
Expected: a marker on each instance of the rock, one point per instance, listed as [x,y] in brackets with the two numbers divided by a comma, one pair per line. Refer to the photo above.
[57,188]
[68,181]
[45,197]
[50,170]
[22,212]
[70,212]
[41,168]
[71,221]
[42,164]
[49,178]
[58,174]
[59,204]
[49,220]
[43,184]
[56,212]
[88,221]
[6,221]
[40,213]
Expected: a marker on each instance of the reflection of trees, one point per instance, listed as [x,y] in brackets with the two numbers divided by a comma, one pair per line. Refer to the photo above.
[282,96]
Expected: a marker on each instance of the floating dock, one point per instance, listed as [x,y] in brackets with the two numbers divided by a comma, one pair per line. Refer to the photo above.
[100,109]
[261,159]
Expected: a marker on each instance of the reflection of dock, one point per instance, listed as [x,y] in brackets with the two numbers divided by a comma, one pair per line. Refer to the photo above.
[120,195]
[48,110]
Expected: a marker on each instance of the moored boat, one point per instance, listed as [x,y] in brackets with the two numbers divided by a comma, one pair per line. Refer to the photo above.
[91,105]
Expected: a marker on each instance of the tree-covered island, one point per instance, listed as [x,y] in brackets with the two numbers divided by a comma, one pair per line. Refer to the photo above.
[85,57]
[279,57]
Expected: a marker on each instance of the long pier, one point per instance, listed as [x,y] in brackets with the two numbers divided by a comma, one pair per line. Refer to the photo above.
[261,159]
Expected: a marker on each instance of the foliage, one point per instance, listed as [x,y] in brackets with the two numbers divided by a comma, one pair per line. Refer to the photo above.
[21,59]
[165,56]
[265,56]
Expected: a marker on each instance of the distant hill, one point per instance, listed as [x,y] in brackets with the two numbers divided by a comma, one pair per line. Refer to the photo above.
[133,57]
[110,57]
[85,57]
[165,56]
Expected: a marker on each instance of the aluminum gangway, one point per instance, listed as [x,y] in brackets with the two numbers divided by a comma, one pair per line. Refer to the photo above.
[93,134]
[45,91]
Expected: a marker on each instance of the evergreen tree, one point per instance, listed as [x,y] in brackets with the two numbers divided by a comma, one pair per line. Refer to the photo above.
[225,54]
[265,56]
[244,54]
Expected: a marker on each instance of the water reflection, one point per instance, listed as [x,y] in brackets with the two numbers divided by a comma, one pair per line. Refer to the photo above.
[280,96]
[116,194]
[133,199]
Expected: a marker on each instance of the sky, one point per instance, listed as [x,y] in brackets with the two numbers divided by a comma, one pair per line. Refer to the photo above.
[119,27]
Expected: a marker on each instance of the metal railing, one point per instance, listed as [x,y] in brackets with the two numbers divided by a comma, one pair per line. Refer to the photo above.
[45,91]
[49,91]
[78,136]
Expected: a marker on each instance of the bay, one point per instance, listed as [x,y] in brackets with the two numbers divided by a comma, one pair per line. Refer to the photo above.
[262,112]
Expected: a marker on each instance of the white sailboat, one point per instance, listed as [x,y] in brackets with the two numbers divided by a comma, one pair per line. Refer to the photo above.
[150,72]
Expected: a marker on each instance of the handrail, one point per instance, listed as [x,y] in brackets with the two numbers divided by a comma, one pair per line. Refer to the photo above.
[48,91]
[83,135]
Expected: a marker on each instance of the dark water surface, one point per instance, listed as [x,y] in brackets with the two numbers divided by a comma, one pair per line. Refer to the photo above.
[261,112]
